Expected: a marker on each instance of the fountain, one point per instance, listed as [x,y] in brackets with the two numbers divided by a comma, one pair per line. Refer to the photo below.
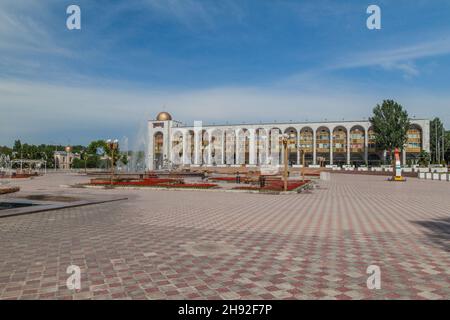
[136,162]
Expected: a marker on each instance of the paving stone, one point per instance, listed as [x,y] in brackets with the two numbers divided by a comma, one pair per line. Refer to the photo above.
[202,245]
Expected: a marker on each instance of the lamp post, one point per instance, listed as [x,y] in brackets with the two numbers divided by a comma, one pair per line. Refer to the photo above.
[45,163]
[113,146]
[302,156]
[285,139]
[68,150]
[84,155]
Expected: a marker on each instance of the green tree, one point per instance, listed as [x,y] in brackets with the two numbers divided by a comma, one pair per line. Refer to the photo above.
[77,163]
[99,148]
[390,124]
[447,147]
[437,136]
[17,146]
[6,150]
[424,158]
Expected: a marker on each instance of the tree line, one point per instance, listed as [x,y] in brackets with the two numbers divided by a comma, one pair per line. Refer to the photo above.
[95,155]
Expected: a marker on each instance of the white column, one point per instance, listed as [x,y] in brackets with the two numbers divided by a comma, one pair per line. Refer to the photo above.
[314,147]
[366,146]
[185,157]
[266,146]
[237,144]
[150,156]
[252,147]
[197,153]
[298,147]
[210,162]
[348,146]
[222,146]
[331,147]
[404,156]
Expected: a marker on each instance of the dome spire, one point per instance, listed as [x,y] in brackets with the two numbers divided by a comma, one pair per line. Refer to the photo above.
[163,116]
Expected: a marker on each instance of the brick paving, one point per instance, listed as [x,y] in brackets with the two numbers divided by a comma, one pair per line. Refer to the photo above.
[211,245]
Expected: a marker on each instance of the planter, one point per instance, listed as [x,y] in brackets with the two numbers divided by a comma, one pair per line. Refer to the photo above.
[9,190]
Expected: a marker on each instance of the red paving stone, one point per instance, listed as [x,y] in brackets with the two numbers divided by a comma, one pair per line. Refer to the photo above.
[300,246]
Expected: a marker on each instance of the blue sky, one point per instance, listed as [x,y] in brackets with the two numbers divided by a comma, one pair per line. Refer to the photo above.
[216,61]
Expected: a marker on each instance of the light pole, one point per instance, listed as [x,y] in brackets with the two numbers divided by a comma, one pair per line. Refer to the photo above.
[68,151]
[21,158]
[113,146]
[302,156]
[54,156]
[285,139]
[45,163]
[85,155]
[443,145]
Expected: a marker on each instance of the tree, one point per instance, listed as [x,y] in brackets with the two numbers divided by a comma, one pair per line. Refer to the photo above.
[390,123]
[437,136]
[17,146]
[6,151]
[424,158]
[77,163]
[447,147]
[99,148]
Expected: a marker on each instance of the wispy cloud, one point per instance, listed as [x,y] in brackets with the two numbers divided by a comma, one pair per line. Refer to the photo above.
[192,13]
[400,58]
[20,30]
[186,11]
[65,112]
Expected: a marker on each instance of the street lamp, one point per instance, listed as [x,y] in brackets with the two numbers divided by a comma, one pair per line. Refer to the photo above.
[113,146]
[84,155]
[45,163]
[68,150]
[285,139]
[302,156]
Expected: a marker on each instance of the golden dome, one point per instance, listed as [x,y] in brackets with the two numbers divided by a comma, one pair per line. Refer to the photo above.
[163,116]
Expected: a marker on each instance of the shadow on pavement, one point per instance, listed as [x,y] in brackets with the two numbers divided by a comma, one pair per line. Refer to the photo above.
[437,231]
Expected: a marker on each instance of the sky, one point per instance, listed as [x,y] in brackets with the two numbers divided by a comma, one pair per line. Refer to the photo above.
[216,61]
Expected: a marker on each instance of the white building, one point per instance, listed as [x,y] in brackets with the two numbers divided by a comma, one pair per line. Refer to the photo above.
[64,159]
[333,142]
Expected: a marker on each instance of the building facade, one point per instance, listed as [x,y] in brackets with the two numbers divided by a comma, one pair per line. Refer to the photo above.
[313,143]
[64,159]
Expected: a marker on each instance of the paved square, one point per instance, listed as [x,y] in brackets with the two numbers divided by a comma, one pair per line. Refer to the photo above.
[214,245]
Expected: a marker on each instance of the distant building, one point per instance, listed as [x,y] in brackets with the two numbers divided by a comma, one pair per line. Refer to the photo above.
[64,159]
[327,143]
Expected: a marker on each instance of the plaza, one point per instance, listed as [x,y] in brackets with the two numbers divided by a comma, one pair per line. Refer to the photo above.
[165,244]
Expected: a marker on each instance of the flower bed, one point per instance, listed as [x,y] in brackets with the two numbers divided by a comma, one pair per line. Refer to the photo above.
[23,175]
[131,182]
[232,179]
[154,182]
[188,185]
[275,185]
[9,190]
[247,188]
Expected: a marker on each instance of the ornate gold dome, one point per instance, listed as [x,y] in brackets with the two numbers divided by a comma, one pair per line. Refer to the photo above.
[163,116]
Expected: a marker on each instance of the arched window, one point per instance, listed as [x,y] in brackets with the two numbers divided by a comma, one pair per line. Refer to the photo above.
[158,144]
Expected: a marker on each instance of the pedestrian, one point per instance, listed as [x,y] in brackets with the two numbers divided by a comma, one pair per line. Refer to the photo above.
[262,181]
